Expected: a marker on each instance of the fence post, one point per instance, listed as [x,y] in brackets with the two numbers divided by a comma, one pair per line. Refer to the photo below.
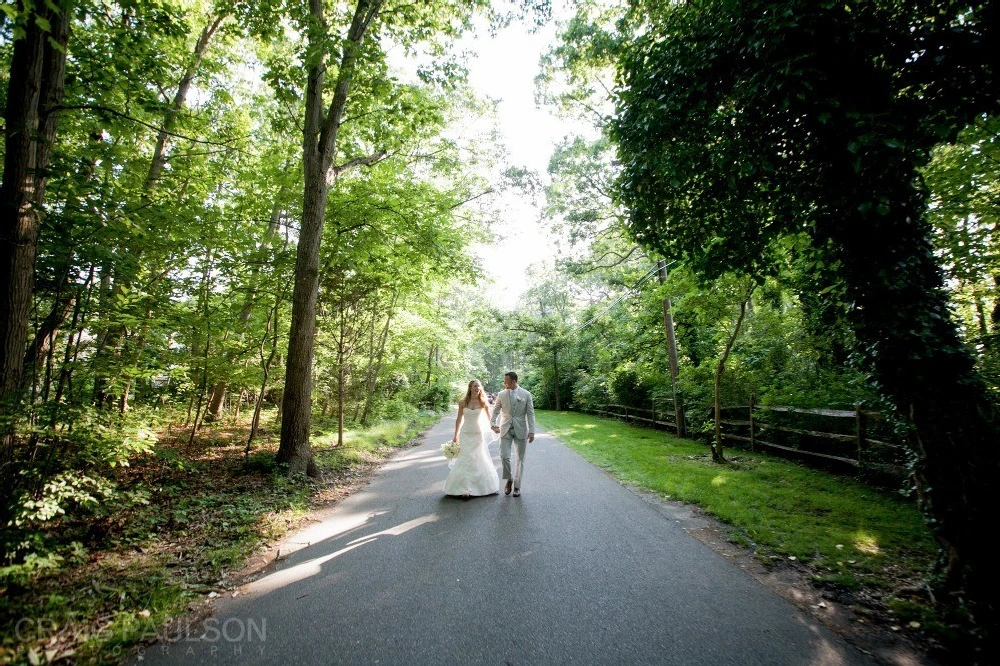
[753,443]
[860,426]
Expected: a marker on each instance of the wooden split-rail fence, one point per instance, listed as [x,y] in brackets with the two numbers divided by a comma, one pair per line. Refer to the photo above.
[856,438]
[650,418]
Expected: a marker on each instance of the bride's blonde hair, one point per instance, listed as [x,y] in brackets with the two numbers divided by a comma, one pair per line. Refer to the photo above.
[468,392]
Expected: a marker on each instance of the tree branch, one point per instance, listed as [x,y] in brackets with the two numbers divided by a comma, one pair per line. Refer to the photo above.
[472,198]
[115,112]
[359,161]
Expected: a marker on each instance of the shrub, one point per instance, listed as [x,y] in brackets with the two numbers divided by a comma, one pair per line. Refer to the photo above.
[437,395]
[629,387]
[73,482]
[590,391]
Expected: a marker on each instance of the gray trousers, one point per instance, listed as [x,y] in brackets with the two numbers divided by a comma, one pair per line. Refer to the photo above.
[505,444]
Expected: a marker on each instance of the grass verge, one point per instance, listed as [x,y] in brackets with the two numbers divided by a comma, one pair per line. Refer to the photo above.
[862,542]
[133,575]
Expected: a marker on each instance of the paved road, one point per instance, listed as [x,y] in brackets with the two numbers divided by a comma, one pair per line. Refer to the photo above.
[578,570]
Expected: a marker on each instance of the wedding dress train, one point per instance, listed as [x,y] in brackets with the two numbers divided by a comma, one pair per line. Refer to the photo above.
[473,473]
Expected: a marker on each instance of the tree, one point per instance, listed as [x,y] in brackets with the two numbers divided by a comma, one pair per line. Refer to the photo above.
[746,290]
[320,134]
[361,61]
[964,186]
[35,89]
[742,123]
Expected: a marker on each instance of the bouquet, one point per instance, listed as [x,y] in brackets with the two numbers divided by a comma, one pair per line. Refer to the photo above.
[450,450]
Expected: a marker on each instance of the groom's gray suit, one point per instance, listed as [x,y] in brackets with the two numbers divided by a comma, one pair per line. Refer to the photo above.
[514,410]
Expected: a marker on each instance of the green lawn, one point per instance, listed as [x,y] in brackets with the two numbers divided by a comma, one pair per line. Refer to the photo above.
[848,533]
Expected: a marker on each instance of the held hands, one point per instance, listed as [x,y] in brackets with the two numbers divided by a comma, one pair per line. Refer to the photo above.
[531,435]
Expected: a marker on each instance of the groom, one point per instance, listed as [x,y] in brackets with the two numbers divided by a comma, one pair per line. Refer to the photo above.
[516,416]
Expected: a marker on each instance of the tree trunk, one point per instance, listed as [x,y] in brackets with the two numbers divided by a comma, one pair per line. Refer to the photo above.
[295,449]
[372,380]
[364,393]
[63,303]
[319,149]
[35,87]
[430,363]
[73,347]
[555,371]
[104,297]
[206,293]
[980,312]
[349,333]
[995,312]
[266,367]
[903,323]
[180,98]
[717,451]
[42,343]
[341,374]
[214,411]
[668,327]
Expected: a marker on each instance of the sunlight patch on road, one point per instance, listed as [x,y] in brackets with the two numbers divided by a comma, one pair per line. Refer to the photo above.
[312,567]
[401,528]
[413,458]
[327,529]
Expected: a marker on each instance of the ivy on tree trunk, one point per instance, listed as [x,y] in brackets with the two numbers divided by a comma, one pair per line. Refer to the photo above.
[35,88]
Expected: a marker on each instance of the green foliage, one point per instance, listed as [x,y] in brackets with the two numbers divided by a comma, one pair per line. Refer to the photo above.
[963,184]
[64,492]
[37,563]
[629,388]
[590,391]
[783,143]
[113,579]
[74,487]
[433,396]
[169,273]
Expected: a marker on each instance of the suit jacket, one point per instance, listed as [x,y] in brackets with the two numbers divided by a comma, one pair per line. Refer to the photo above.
[515,409]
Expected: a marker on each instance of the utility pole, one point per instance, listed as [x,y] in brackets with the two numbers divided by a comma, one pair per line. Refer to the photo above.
[668,326]
[555,356]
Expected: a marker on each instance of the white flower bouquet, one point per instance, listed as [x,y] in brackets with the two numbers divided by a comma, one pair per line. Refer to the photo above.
[450,450]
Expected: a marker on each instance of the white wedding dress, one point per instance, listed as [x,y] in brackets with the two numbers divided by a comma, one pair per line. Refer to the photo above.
[473,472]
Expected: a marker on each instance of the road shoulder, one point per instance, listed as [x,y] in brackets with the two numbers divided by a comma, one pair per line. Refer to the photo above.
[862,623]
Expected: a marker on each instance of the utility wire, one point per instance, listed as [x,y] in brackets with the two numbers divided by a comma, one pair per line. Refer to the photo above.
[628,292]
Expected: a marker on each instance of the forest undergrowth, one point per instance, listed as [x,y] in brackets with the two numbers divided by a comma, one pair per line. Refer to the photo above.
[144,572]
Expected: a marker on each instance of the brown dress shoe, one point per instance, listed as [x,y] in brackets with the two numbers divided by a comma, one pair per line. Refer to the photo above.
[510,484]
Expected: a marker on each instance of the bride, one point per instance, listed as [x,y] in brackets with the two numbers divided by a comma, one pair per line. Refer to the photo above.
[473,473]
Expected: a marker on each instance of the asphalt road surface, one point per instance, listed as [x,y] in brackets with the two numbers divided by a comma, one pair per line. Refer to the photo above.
[578,570]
